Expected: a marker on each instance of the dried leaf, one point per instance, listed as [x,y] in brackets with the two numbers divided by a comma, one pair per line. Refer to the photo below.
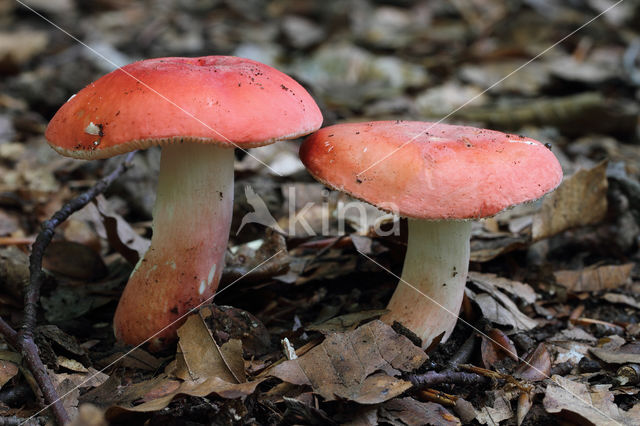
[74,260]
[524,405]
[606,277]
[629,353]
[18,47]
[200,387]
[121,236]
[537,366]
[515,288]
[343,366]
[499,309]
[203,358]
[580,200]
[493,414]
[621,298]
[578,402]
[496,347]
[7,371]
[409,412]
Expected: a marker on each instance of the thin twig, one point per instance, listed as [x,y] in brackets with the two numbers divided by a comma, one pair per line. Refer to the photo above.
[23,340]
[432,378]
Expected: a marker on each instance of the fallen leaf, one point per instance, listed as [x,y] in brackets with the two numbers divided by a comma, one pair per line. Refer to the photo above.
[495,347]
[581,199]
[409,412]
[345,365]
[200,387]
[121,236]
[577,402]
[606,277]
[8,370]
[536,366]
[74,260]
[18,47]
[524,405]
[515,288]
[495,413]
[629,353]
[498,308]
[202,356]
[621,298]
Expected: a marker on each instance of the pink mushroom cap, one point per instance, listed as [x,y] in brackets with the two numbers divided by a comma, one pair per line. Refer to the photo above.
[430,170]
[222,100]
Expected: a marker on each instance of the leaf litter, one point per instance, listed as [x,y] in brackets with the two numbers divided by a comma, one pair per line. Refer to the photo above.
[553,283]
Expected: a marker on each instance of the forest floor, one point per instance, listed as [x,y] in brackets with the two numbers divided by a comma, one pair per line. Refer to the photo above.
[555,282]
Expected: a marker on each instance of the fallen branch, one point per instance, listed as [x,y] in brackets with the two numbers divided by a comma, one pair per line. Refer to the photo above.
[432,378]
[23,340]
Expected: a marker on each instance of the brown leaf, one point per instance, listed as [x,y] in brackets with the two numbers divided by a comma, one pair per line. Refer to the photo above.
[495,413]
[200,387]
[500,309]
[74,260]
[629,353]
[202,357]
[121,236]
[7,371]
[495,347]
[515,288]
[579,403]
[606,277]
[581,199]
[343,366]
[537,366]
[409,412]
[17,47]
[621,298]
[524,405]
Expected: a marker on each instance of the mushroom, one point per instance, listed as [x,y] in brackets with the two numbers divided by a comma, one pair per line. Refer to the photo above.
[441,177]
[198,110]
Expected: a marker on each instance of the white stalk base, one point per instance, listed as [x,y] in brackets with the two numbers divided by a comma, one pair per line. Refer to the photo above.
[428,298]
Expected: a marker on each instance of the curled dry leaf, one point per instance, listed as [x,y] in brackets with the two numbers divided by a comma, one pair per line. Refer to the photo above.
[121,236]
[495,346]
[200,357]
[606,277]
[524,405]
[498,308]
[358,365]
[629,353]
[493,414]
[581,199]
[515,288]
[581,404]
[622,299]
[537,366]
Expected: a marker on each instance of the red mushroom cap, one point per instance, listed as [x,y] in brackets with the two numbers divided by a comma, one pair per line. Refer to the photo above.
[444,172]
[222,100]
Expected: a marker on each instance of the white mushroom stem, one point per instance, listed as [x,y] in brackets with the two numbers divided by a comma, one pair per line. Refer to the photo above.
[182,267]
[429,295]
